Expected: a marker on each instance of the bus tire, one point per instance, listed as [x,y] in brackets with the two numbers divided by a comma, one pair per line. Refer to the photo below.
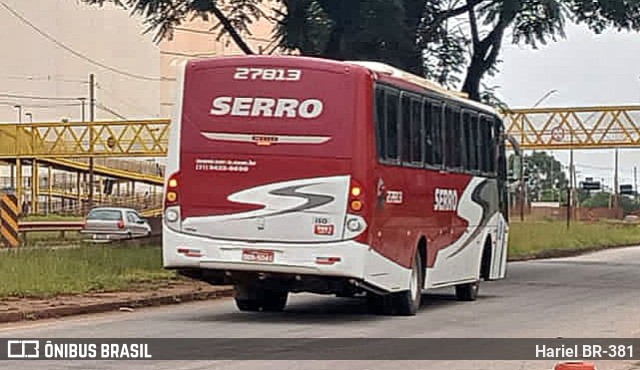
[275,301]
[408,302]
[379,304]
[252,298]
[247,304]
[468,292]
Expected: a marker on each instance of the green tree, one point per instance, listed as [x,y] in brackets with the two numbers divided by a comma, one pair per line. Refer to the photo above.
[452,41]
[545,179]
[605,199]
[529,22]
[601,199]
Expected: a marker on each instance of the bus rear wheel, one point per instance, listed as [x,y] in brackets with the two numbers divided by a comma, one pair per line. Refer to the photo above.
[404,303]
[408,302]
[252,298]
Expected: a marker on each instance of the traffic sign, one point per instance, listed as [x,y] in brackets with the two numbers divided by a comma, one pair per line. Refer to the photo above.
[626,189]
[590,185]
[557,133]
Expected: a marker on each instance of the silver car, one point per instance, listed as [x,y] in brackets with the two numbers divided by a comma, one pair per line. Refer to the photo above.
[114,223]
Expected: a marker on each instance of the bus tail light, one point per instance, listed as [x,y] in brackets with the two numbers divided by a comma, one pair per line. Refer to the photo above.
[356,194]
[355,223]
[171,197]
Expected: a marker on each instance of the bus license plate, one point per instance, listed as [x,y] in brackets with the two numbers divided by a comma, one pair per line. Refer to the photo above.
[254,255]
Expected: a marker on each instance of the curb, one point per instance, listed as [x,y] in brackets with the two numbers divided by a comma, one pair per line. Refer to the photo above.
[58,312]
[562,253]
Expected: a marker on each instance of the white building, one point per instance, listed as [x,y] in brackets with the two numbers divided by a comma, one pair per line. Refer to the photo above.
[51,46]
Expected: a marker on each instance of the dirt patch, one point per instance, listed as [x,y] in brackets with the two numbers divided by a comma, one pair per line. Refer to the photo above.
[19,309]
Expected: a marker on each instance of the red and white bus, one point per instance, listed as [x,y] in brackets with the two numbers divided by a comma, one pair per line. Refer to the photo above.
[294,174]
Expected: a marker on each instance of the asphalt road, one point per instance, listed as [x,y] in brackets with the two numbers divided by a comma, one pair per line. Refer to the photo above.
[594,296]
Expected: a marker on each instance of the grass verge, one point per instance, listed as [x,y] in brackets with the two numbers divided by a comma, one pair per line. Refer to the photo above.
[549,239]
[33,272]
[36,272]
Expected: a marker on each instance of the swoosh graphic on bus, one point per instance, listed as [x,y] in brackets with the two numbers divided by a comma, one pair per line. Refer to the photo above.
[312,200]
[479,196]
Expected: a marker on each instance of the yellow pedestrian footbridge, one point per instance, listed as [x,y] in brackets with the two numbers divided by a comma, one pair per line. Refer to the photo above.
[117,149]
[113,139]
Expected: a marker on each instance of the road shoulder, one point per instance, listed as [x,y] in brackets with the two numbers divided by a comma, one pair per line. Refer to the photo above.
[17,309]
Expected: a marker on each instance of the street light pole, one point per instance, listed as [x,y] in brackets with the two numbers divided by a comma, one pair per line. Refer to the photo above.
[19,108]
[14,185]
[92,102]
[544,97]
[570,183]
[615,183]
[83,101]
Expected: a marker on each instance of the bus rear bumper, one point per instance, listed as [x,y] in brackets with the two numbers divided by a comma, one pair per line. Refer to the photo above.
[345,259]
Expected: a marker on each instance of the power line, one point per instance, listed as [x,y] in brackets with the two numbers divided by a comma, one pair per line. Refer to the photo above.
[32,97]
[46,78]
[72,51]
[40,105]
[123,101]
[110,111]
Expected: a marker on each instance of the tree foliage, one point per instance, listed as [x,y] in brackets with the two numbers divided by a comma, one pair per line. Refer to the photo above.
[455,42]
[545,177]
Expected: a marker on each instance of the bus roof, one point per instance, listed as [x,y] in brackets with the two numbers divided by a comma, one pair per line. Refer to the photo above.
[375,67]
[388,70]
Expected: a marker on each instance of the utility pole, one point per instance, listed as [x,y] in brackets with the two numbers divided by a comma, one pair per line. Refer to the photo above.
[615,183]
[523,189]
[635,183]
[12,170]
[570,183]
[92,102]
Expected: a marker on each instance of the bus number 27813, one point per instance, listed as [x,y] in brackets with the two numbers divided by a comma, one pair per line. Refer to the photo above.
[268,74]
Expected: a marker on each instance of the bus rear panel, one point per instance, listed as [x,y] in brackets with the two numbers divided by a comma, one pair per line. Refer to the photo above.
[264,180]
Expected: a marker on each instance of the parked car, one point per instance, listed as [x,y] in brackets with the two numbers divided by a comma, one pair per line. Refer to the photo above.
[114,223]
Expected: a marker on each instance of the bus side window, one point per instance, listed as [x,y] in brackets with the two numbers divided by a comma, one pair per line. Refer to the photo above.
[469,141]
[417,131]
[437,133]
[429,150]
[452,137]
[405,128]
[461,139]
[392,137]
[487,144]
[381,136]
[475,140]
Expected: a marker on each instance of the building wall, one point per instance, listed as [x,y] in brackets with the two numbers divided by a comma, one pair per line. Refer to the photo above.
[195,40]
[34,65]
